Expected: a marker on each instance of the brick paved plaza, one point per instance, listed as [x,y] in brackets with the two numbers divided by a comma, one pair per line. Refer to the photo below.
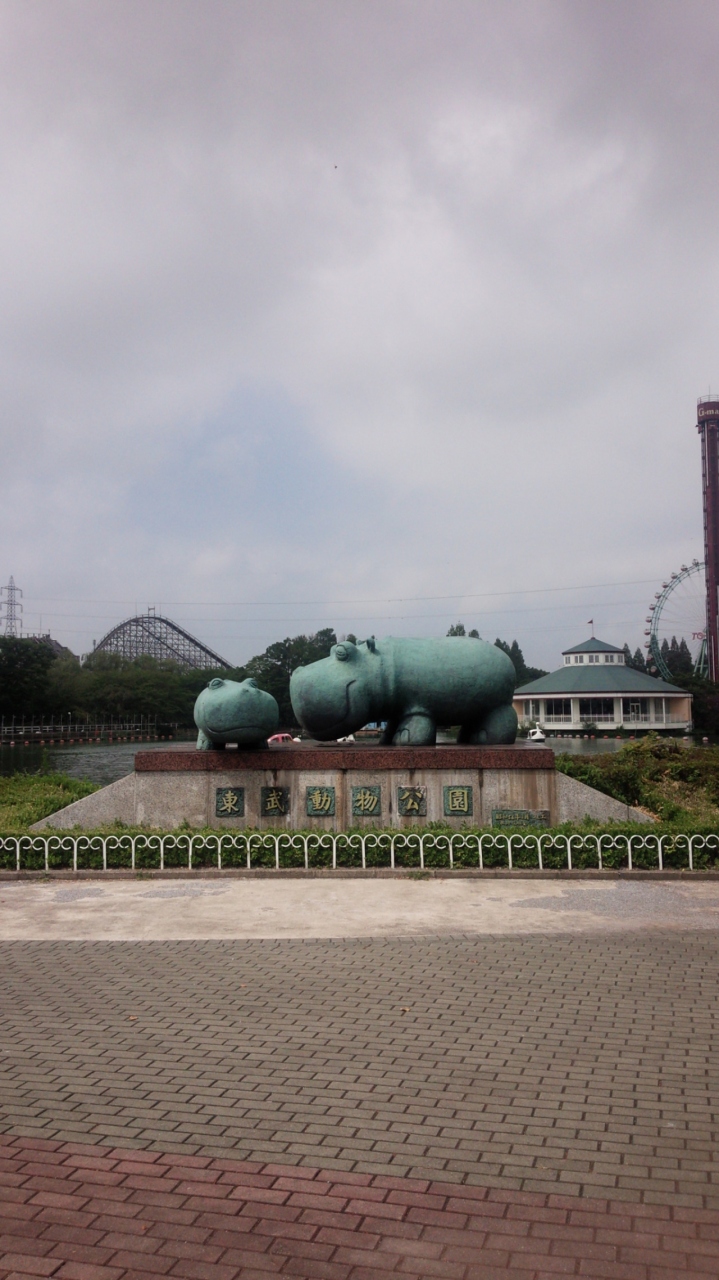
[445,1106]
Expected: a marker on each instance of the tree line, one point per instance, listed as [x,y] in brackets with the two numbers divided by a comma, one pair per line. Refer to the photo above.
[513,651]
[676,654]
[35,682]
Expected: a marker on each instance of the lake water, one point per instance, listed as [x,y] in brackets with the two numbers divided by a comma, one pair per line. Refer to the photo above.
[106,762]
[100,762]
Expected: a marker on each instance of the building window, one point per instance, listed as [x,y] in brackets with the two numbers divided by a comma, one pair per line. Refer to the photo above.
[535,710]
[594,657]
[579,657]
[559,707]
[597,710]
[609,657]
[567,661]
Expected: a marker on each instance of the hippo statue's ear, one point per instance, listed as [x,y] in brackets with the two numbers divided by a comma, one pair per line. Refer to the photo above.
[371,644]
[216,683]
[251,682]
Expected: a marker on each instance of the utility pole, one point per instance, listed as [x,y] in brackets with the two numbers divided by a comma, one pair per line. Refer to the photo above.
[13,609]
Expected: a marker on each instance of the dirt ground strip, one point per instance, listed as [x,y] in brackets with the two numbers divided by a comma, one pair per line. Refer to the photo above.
[79,1212]
[215,907]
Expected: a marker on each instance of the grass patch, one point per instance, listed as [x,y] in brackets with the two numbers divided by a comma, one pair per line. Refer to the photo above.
[679,785]
[27,797]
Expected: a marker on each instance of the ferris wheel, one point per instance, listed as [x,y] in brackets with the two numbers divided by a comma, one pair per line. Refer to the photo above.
[678,610]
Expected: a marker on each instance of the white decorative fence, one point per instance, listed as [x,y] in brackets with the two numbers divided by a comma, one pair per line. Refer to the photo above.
[314,850]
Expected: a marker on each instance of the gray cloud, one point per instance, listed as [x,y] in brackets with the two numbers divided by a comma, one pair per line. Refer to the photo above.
[316,302]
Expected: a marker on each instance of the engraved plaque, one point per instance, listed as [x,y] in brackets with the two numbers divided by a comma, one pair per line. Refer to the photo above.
[320,802]
[458,802]
[230,802]
[412,802]
[274,802]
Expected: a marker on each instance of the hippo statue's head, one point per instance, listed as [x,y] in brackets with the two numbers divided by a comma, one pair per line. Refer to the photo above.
[332,697]
[232,711]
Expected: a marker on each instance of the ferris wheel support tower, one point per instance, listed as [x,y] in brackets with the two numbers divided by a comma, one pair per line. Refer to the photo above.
[708,428]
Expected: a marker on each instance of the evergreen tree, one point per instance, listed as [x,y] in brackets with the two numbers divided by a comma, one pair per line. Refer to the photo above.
[634,660]
[524,673]
[639,662]
[684,664]
[457,629]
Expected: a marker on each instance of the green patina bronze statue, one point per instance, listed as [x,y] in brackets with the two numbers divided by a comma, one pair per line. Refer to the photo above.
[230,711]
[412,684]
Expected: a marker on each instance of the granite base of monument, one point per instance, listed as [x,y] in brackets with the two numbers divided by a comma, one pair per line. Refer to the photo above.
[334,787]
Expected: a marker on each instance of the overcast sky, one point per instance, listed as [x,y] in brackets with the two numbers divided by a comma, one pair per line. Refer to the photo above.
[374,314]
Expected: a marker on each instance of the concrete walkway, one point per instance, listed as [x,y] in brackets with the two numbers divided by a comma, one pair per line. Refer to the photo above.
[326,908]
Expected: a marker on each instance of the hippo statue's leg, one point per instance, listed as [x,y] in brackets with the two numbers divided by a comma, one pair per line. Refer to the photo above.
[204,743]
[417,729]
[498,726]
[388,734]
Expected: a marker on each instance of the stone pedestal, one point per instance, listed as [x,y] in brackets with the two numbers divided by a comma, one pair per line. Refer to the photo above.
[333,787]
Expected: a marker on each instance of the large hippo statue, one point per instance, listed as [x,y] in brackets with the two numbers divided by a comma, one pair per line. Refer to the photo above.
[412,684]
[234,711]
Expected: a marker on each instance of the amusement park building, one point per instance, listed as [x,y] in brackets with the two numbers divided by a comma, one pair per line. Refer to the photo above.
[594,686]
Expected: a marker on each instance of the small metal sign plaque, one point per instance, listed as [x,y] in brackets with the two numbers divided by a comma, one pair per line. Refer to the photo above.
[520,817]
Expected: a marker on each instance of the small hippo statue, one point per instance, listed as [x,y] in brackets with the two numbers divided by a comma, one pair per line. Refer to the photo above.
[412,684]
[234,711]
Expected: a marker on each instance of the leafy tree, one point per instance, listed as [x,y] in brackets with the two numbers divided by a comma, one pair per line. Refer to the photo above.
[110,687]
[705,701]
[273,668]
[24,667]
[458,629]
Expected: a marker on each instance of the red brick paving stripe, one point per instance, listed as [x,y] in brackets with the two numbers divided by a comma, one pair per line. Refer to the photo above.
[74,1212]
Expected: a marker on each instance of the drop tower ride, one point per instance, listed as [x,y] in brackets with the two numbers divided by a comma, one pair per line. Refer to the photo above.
[708,428]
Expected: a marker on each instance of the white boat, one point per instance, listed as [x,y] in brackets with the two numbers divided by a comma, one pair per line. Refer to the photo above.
[536,735]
